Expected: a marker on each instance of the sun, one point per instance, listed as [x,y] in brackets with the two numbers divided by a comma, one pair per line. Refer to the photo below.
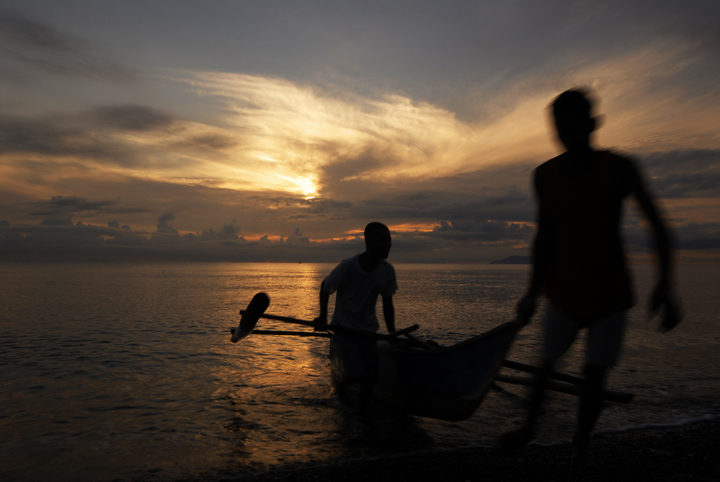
[305,186]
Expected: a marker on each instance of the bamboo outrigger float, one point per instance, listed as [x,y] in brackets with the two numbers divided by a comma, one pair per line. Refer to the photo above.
[446,383]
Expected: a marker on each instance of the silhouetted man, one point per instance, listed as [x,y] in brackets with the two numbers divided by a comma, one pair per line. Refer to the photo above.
[578,260]
[358,282]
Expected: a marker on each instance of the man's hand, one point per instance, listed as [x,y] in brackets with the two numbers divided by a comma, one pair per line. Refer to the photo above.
[525,310]
[320,323]
[672,316]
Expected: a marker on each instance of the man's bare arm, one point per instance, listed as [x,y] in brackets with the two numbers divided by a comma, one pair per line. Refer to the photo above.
[542,253]
[662,295]
[321,321]
[389,313]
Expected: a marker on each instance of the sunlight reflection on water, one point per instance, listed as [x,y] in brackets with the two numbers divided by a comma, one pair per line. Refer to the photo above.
[126,371]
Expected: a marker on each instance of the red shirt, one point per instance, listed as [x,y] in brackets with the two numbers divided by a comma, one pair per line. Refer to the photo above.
[588,277]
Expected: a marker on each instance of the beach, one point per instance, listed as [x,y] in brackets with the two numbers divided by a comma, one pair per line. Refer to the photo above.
[653,454]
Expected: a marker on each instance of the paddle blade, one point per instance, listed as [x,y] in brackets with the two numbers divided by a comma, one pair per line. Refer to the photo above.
[250,316]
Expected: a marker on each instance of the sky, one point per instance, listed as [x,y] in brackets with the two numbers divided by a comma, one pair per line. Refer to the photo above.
[276,130]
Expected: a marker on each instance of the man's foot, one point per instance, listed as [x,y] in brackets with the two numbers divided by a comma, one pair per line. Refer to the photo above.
[516,439]
[581,460]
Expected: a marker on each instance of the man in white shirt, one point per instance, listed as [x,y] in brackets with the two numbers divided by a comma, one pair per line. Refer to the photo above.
[358,282]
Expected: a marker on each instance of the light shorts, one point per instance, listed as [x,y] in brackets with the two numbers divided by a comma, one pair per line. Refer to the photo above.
[604,341]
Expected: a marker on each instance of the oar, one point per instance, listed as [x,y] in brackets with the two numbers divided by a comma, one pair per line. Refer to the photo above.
[260,302]
[320,334]
[392,337]
[250,316]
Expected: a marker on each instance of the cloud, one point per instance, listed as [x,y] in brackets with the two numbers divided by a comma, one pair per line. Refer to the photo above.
[227,232]
[302,165]
[46,48]
[62,137]
[689,236]
[70,205]
[698,236]
[684,173]
[128,138]
[57,221]
[62,207]
[163,227]
[294,137]
[130,117]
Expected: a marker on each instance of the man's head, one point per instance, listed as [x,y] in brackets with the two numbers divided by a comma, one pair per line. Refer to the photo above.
[572,113]
[377,240]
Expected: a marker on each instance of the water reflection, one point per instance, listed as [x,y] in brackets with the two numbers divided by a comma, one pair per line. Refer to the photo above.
[122,370]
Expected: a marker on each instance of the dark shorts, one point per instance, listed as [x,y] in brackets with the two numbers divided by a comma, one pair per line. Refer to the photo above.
[358,359]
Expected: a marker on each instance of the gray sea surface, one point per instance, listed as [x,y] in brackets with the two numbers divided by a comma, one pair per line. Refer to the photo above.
[114,372]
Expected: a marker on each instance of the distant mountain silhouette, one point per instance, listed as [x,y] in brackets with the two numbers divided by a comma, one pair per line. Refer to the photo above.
[514,260]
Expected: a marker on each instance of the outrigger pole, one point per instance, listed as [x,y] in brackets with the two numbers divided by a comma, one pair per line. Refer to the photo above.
[557,381]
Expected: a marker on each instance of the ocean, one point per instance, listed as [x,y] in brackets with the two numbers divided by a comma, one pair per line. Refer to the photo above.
[119,372]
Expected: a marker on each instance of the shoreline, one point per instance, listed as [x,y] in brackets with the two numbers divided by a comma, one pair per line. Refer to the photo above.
[687,452]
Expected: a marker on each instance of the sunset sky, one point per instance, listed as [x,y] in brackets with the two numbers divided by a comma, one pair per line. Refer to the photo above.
[275,130]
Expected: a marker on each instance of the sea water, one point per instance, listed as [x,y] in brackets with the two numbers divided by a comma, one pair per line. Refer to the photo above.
[126,371]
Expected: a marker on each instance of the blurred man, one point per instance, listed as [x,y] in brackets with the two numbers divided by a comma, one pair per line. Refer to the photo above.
[578,260]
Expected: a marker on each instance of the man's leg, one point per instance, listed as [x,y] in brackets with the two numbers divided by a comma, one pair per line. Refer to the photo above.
[560,333]
[538,395]
[369,361]
[591,405]
[526,433]
[604,342]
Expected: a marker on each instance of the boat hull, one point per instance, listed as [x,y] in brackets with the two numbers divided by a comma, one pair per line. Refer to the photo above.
[446,383]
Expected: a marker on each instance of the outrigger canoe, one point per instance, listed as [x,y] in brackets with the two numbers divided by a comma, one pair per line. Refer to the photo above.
[446,383]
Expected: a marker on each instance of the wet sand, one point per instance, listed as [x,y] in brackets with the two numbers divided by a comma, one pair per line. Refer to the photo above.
[684,453]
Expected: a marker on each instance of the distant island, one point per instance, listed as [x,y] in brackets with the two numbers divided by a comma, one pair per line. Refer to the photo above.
[514,260]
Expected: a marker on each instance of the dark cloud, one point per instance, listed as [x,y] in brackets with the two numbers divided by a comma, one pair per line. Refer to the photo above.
[60,210]
[89,242]
[211,141]
[163,227]
[57,221]
[227,232]
[46,48]
[499,194]
[686,236]
[130,117]
[443,205]
[684,173]
[84,135]
[698,236]
[61,137]
[468,241]
[69,205]
[485,231]
[69,241]
[350,167]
